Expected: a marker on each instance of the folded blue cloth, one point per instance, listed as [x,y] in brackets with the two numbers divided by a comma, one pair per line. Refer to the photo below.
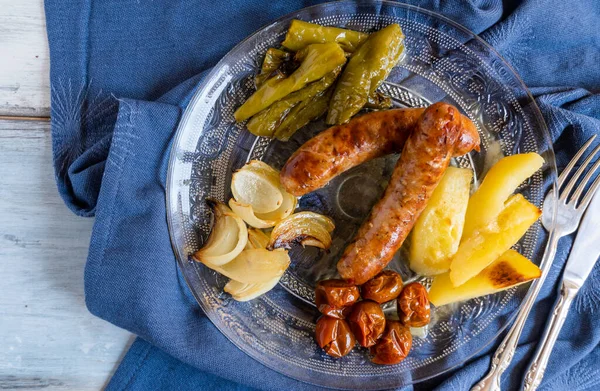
[112,63]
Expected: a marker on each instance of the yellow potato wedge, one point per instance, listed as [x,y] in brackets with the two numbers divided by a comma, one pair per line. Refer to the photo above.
[511,269]
[437,232]
[499,183]
[486,244]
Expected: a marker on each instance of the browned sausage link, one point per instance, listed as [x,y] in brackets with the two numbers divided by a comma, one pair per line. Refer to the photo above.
[342,147]
[439,135]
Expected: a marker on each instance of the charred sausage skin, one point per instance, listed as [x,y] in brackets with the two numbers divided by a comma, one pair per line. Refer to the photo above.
[342,147]
[440,134]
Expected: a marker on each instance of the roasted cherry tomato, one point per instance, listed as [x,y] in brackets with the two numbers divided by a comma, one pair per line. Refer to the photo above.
[382,288]
[413,305]
[335,297]
[394,345]
[367,322]
[334,336]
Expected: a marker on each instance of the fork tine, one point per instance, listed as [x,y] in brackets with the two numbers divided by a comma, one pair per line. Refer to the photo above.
[586,179]
[590,193]
[565,193]
[563,176]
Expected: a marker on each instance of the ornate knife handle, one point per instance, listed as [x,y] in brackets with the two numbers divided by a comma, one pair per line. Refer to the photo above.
[505,352]
[535,373]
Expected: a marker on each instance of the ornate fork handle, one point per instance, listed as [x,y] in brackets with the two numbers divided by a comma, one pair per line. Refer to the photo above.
[535,373]
[505,352]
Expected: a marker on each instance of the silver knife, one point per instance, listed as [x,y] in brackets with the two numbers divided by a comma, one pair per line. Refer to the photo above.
[582,259]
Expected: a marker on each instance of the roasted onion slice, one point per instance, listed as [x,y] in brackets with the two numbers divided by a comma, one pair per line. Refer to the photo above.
[245,292]
[241,291]
[257,184]
[264,220]
[255,266]
[306,228]
[227,239]
[257,239]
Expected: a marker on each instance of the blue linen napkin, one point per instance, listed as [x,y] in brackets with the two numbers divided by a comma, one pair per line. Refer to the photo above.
[112,63]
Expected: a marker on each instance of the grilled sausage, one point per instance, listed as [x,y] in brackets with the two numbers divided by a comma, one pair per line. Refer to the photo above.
[342,147]
[440,134]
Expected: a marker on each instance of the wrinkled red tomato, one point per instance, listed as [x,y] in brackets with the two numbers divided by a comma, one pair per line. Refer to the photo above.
[334,336]
[382,288]
[335,297]
[367,322]
[394,345]
[413,305]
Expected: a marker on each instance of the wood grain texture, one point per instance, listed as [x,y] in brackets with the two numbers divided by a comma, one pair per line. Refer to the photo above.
[48,339]
[24,59]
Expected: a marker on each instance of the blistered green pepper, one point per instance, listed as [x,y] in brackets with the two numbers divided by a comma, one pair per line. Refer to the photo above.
[302,114]
[264,123]
[366,70]
[320,59]
[300,34]
[267,121]
[378,101]
[274,60]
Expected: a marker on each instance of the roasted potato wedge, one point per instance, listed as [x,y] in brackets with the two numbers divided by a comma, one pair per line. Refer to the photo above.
[510,269]
[499,183]
[486,244]
[437,232]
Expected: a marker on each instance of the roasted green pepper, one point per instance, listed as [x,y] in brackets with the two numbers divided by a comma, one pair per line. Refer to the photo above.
[320,59]
[302,114]
[300,34]
[274,60]
[379,101]
[267,121]
[366,70]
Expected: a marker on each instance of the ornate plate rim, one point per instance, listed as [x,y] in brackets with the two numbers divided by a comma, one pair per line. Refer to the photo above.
[201,88]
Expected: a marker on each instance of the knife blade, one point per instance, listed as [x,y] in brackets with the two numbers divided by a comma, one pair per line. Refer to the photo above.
[586,247]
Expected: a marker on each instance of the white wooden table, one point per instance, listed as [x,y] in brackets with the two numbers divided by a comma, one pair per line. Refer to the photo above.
[48,339]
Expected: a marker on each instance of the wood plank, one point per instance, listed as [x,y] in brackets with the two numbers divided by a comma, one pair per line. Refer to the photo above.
[24,59]
[48,339]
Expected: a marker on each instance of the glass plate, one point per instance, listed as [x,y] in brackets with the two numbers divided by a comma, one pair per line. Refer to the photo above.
[443,62]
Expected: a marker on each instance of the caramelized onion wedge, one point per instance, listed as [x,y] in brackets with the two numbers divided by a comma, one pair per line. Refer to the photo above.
[260,166]
[314,243]
[227,239]
[257,184]
[257,239]
[287,207]
[306,228]
[247,214]
[245,292]
[264,220]
[255,266]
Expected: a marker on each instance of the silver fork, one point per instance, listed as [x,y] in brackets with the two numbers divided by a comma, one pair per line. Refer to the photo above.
[569,209]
